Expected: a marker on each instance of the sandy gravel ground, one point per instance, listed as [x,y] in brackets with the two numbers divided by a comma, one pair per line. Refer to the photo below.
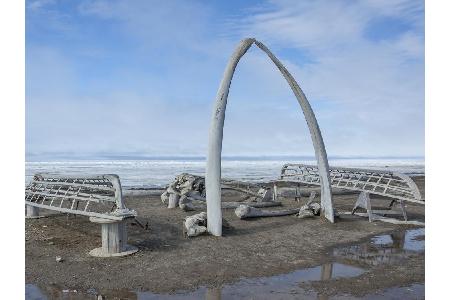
[169,262]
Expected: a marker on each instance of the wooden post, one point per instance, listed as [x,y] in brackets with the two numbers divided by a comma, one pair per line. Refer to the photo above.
[32,212]
[297,193]
[275,192]
[114,239]
[173,200]
[363,201]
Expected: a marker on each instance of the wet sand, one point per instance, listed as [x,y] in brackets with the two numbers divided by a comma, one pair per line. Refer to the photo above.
[273,258]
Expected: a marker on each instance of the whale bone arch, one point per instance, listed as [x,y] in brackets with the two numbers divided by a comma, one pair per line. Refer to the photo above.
[214,157]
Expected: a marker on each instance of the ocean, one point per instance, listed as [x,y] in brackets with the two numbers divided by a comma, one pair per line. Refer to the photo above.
[157,173]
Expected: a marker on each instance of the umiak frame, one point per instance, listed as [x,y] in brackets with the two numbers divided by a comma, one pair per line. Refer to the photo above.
[214,159]
[98,197]
[394,186]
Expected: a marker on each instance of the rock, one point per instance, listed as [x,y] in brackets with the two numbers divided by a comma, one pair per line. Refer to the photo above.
[185,203]
[195,225]
[165,197]
[309,210]
[188,187]
[242,211]
[59,259]
[315,207]
[302,214]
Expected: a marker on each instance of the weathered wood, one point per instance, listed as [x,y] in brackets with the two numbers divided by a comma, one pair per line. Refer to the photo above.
[384,219]
[392,185]
[73,195]
[63,194]
[173,200]
[246,211]
[108,216]
[114,239]
[189,204]
[364,202]
[380,182]
[32,211]
[89,186]
[275,192]
[246,191]
[297,193]
[252,204]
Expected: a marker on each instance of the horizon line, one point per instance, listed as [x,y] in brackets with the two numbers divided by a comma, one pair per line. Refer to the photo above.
[35,158]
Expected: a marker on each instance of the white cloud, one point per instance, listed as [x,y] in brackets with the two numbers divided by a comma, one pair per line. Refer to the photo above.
[368,95]
[39,4]
[155,24]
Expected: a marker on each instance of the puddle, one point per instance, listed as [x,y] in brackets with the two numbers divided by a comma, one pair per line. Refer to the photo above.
[384,249]
[283,286]
[415,240]
[379,249]
[414,291]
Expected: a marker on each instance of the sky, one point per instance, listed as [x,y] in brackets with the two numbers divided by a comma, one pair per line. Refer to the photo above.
[138,78]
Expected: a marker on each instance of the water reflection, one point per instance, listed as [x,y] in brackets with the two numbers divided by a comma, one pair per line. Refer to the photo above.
[414,291]
[283,286]
[384,249]
[380,249]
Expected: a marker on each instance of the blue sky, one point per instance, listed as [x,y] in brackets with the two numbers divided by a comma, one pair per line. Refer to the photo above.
[139,78]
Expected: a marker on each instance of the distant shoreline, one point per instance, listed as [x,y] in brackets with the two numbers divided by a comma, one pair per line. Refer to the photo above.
[155,174]
[62,158]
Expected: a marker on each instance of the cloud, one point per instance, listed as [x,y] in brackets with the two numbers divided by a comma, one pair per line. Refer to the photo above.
[137,77]
[368,95]
[37,5]
[61,118]
[155,25]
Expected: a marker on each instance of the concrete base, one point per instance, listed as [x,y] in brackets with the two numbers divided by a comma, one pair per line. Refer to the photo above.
[114,239]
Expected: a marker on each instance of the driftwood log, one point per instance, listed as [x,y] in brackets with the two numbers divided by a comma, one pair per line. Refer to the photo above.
[310,209]
[244,211]
[189,204]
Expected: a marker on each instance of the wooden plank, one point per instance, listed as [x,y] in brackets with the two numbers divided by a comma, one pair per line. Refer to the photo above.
[383,183]
[80,212]
[94,198]
[89,186]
